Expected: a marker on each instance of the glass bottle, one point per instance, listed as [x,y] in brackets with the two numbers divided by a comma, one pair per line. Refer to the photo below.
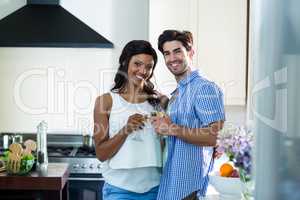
[42,156]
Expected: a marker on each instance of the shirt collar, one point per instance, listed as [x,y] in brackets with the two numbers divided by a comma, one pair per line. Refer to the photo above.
[187,80]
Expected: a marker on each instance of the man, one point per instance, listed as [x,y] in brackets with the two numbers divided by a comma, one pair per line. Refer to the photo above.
[196,114]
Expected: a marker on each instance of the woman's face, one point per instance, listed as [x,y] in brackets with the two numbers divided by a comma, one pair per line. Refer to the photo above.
[140,68]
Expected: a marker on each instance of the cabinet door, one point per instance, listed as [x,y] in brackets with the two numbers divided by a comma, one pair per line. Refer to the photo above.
[220,36]
[222,44]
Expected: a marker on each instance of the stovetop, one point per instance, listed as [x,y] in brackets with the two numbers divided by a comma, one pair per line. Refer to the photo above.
[65,151]
[81,160]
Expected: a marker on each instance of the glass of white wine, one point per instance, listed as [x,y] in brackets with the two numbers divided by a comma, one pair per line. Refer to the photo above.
[137,135]
[159,112]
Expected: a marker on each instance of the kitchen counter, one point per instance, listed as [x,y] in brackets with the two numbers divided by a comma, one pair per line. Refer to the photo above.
[211,194]
[45,184]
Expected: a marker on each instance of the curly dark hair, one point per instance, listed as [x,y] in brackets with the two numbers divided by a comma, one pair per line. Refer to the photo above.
[185,37]
[132,48]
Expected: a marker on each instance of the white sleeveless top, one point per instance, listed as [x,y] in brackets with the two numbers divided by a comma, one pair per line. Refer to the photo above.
[137,165]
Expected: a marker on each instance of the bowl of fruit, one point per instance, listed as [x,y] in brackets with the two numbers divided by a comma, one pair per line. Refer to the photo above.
[226,181]
[19,161]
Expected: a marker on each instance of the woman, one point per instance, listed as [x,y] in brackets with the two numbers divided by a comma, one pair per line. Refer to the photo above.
[125,141]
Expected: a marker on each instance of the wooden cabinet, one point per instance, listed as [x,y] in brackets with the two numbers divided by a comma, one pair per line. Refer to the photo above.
[49,184]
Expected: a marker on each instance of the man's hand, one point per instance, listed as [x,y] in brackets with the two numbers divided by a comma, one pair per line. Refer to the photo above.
[215,127]
[162,125]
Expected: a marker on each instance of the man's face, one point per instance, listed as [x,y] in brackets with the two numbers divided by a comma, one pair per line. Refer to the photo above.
[177,58]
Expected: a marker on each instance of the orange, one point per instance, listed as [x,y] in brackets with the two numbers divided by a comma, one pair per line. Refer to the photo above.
[226,170]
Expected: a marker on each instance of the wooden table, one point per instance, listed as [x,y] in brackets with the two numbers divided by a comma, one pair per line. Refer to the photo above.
[49,184]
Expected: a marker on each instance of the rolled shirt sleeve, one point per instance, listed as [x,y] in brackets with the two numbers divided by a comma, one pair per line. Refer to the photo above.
[209,105]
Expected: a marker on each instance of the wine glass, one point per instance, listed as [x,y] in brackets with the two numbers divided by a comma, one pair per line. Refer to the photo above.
[159,111]
[136,135]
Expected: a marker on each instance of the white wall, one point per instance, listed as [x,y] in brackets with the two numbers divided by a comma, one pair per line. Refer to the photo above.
[219,29]
[59,85]
[8,6]
[56,85]
[118,21]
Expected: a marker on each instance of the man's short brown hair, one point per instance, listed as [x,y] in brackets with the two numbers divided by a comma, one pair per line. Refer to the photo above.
[185,37]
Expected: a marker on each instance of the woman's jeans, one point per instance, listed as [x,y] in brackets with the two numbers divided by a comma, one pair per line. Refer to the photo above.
[111,192]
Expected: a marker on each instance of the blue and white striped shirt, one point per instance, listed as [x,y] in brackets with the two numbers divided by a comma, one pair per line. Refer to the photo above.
[199,102]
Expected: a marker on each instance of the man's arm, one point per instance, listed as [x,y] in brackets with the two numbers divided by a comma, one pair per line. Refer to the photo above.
[199,136]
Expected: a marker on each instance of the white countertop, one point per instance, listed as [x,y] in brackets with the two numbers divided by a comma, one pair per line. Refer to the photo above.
[211,194]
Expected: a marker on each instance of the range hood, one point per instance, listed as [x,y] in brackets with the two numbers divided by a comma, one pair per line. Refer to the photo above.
[44,23]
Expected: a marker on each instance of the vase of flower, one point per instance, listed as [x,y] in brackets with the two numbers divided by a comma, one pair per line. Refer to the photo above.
[237,144]
[248,190]
[248,185]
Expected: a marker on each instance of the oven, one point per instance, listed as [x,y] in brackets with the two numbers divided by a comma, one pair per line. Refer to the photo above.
[86,187]
[85,181]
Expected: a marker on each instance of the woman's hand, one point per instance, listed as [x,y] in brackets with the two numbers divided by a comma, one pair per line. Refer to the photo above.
[135,122]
